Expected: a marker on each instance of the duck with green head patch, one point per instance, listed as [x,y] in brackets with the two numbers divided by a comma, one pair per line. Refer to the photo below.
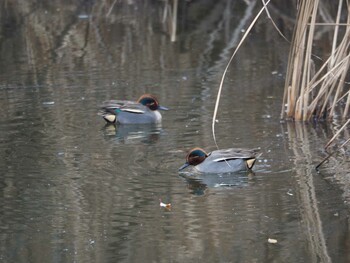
[221,161]
[142,111]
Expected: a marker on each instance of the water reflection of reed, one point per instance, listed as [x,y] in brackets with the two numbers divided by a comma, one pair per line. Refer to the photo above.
[299,142]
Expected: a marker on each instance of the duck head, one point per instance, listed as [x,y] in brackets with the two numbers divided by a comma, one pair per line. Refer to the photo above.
[194,157]
[151,102]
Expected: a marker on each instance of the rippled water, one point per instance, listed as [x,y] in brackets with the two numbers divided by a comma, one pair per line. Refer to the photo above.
[76,190]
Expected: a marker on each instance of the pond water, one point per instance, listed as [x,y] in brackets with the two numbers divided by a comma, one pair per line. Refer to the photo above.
[76,190]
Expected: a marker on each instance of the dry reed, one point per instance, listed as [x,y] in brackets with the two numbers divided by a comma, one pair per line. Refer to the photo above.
[311,94]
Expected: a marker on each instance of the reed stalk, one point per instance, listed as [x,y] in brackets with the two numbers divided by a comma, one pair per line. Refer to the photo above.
[309,94]
[217,102]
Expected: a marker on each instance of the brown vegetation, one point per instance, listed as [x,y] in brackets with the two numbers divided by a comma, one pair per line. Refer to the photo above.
[312,90]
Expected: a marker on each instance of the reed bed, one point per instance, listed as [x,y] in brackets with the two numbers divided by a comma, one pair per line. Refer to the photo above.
[310,93]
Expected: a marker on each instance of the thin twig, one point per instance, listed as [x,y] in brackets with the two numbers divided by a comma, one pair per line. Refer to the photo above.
[273,22]
[335,36]
[224,74]
[330,154]
[335,135]
[331,24]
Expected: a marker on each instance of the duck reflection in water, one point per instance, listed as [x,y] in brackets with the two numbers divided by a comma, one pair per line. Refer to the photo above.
[129,134]
[199,183]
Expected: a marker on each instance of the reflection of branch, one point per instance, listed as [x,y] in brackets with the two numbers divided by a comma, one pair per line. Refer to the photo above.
[173,22]
[172,18]
[111,8]
[226,53]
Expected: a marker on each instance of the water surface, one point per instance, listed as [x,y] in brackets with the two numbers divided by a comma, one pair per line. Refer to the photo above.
[76,190]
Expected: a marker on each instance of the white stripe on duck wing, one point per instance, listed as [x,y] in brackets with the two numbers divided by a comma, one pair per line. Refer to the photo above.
[233,153]
[117,104]
[136,108]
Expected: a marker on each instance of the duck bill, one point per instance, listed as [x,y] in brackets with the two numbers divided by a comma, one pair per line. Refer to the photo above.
[184,166]
[162,108]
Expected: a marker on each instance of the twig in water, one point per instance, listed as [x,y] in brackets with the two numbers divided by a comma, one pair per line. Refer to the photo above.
[330,154]
[335,135]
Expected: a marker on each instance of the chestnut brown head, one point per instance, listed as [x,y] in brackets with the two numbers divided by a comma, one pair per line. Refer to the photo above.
[151,102]
[194,157]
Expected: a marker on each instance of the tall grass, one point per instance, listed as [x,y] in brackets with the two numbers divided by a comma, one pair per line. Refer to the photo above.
[311,93]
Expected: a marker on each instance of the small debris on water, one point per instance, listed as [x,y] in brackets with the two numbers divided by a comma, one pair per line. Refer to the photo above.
[161,204]
[336,214]
[272,241]
[290,192]
[83,16]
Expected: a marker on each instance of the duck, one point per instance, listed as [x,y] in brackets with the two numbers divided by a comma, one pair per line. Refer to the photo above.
[221,161]
[143,111]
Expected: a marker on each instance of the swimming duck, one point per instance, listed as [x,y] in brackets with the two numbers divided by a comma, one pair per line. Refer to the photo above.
[142,111]
[221,161]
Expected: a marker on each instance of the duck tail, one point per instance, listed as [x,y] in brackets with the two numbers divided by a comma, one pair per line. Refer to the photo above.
[250,163]
[110,118]
[109,115]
